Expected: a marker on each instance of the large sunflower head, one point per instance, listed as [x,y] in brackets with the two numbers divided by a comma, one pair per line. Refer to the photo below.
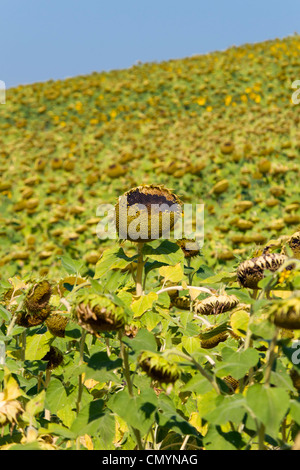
[146,213]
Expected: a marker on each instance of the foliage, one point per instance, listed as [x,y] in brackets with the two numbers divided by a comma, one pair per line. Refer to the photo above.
[144,347]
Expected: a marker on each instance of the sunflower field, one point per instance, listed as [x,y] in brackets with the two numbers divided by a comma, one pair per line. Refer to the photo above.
[118,344]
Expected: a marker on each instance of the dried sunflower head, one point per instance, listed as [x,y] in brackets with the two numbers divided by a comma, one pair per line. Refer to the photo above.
[30,319]
[286,313]
[215,304]
[212,336]
[146,213]
[97,313]
[189,247]
[36,305]
[56,324]
[10,408]
[231,382]
[182,302]
[38,296]
[158,368]
[251,271]
[294,244]
[54,357]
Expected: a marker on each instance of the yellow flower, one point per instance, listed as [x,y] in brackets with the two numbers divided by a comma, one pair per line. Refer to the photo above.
[257,99]
[201,101]
[209,108]
[94,121]
[228,100]
[113,113]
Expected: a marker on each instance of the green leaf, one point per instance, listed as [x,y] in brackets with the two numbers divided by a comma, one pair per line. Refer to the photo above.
[236,363]
[36,404]
[171,419]
[295,411]
[144,340]
[56,396]
[100,367]
[166,252]
[58,430]
[72,266]
[191,344]
[88,419]
[269,405]
[216,439]
[198,384]
[223,277]
[143,303]
[137,411]
[5,314]
[112,259]
[228,408]
[37,346]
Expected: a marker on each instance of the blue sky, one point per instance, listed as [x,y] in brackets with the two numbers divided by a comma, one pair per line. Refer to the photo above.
[55,39]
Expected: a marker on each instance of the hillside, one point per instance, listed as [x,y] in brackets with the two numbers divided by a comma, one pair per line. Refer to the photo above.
[112,345]
[188,124]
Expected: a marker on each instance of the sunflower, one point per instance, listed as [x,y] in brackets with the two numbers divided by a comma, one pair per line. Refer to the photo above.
[153,209]
[158,368]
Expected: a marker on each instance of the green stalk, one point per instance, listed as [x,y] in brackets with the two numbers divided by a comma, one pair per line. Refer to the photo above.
[202,371]
[139,271]
[126,372]
[80,378]
[271,358]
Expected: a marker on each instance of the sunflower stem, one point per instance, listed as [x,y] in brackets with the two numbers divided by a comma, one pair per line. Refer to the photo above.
[139,271]
[80,377]
[271,357]
[126,372]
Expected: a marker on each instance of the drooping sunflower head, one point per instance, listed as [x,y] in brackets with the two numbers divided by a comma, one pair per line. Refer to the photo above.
[189,247]
[98,313]
[36,305]
[38,296]
[215,304]
[251,271]
[54,357]
[146,213]
[56,324]
[294,244]
[158,368]
[212,336]
[286,313]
